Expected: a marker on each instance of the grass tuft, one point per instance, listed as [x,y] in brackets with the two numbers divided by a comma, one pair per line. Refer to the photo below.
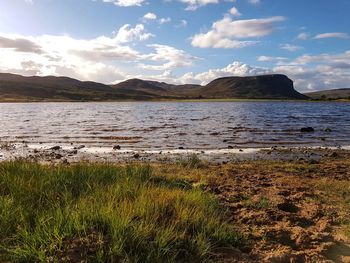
[191,161]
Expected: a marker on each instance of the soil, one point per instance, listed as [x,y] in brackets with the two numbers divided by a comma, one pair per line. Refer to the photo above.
[280,211]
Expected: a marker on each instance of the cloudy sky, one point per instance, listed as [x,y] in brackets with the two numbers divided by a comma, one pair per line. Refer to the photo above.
[178,41]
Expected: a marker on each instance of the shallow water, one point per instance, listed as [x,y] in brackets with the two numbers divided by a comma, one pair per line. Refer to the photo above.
[170,125]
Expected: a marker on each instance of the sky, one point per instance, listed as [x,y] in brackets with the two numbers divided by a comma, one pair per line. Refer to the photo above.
[178,41]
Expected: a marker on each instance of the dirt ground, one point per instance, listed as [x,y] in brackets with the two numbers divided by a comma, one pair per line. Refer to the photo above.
[290,211]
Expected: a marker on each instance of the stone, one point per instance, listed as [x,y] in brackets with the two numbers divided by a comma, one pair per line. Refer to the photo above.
[307,129]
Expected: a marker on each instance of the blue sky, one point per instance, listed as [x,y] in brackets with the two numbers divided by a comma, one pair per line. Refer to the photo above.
[178,41]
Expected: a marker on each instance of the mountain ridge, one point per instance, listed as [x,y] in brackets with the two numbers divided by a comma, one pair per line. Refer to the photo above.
[51,88]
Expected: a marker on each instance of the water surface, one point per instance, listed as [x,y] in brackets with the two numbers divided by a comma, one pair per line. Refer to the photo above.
[170,125]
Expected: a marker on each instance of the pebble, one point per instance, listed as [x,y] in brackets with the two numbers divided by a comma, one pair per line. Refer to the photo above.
[55,148]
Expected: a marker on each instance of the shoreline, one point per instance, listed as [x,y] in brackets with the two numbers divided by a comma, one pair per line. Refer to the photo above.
[176,100]
[74,153]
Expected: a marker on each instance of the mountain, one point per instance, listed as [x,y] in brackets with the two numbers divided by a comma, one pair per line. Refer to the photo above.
[142,86]
[159,88]
[256,87]
[19,88]
[330,94]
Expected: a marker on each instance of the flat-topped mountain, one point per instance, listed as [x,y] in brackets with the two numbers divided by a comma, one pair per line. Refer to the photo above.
[256,87]
[19,88]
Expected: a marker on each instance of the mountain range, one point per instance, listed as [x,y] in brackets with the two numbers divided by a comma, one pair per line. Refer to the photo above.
[19,88]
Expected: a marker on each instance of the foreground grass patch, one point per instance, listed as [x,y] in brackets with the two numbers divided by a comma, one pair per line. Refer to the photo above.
[105,213]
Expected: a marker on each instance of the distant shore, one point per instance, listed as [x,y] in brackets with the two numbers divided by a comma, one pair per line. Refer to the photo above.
[170,100]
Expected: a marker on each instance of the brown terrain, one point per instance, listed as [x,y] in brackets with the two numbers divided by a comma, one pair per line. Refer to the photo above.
[290,212]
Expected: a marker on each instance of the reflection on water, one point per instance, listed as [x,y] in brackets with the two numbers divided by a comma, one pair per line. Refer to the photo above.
[160,125]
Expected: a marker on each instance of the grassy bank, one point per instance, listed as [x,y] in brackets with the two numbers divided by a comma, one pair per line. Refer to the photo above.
[188,211]
[104,213]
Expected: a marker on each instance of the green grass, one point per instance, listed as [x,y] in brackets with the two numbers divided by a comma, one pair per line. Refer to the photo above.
[105,213]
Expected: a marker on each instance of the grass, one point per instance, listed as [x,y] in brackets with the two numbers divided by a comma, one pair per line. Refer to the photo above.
[191,161]
[106,213]
[263,203]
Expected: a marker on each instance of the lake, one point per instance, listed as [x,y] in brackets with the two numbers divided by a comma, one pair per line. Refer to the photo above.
[170,125]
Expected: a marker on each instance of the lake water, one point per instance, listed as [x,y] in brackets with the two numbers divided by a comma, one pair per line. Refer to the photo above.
[170,125]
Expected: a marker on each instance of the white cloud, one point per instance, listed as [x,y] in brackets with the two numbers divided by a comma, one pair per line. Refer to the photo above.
[309,73]
[332,35]
[194,4]
[254,2]
[150,16]
[103,59]
[318,72]
[225,33]
[291,48]
[127,34]
[234,11]
[343,58]
[267,58]
[303,36]
[164,20]
[183,23]
[125,3]
[19,44]
[171,57]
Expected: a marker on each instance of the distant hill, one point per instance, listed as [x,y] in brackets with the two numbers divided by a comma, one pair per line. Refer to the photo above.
[160,88]
[330,94]
[18,88]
